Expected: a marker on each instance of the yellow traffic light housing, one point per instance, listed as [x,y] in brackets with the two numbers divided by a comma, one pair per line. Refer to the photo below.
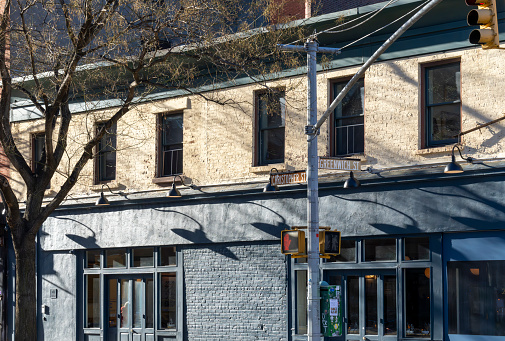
[329,243]
[486,17]
[293,243]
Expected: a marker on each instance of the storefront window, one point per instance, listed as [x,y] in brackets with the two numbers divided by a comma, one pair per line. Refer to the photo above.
[377,250]
[417,248]
[347,252]
[116,258]
[167,256]
[168,304]
[417,302]
[93,301]
[476,297]
[143,257]
[353,305]
[301,302]
[93,259]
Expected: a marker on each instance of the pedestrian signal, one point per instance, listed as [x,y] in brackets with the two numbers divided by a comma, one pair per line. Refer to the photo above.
[329,243]
[293,242]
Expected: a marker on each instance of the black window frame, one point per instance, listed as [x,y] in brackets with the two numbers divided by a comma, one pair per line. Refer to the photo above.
[170,149]
[358,129]
[104,148]
[263,127]
[38,147]
[427,140]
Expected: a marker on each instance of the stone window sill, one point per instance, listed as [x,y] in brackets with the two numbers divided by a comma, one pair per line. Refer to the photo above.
[281,167]
[111,184]
[167,180]
[435,150]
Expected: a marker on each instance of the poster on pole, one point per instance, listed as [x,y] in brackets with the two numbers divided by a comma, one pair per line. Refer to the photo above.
[331,310]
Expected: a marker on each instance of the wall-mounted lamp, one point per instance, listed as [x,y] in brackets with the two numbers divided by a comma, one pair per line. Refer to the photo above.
[174,192]
[453,167]
[352,182]
[269,187]
[102,201]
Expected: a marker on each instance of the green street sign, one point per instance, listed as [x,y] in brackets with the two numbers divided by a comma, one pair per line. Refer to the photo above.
[331,310]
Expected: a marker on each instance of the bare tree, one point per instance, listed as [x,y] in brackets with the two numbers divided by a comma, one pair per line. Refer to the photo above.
[56,52]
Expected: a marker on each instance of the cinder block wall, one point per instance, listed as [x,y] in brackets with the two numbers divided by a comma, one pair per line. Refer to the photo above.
[235,292]
[219,141]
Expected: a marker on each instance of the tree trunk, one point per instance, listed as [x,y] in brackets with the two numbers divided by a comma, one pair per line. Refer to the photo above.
[26,304]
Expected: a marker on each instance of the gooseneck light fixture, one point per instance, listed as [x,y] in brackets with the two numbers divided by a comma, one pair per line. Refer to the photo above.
[453,167]
[102,201]
[174,192]
[269,187]
[352,182]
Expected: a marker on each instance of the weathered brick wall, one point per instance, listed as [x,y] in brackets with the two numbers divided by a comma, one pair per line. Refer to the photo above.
[219,141]
[235,292]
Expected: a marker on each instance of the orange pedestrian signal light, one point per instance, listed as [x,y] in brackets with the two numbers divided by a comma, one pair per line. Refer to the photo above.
[486,17]
[329,243]
[293,242]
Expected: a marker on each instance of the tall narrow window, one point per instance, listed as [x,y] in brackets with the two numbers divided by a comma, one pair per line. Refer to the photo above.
[106,159]
[271,110]
[349,132]
[38,148]
[442,103]
[170,149]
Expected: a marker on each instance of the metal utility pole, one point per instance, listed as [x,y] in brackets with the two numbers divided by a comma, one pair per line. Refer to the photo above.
[313,299]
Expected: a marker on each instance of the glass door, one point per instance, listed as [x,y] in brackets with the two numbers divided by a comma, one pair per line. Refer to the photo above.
[130,308]
[370,308]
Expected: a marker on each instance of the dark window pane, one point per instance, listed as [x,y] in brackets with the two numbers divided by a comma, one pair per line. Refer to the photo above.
[271,117]
[149,303]
[112,303]
[39,146]
[301,302]
[443,83]
[476,297]
[107,154]
[168,256]
[171,145]
[353,305]
[390,305]
[371,305]
[168,300]
[347,252]
[417,248]
[380,250]
[93,259]
[93,301]
[417,302]
[445,122]
[116,258]
[143,257]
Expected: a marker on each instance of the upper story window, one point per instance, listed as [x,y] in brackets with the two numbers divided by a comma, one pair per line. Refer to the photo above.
[170,144]
[442,104]
[106,158]
[349,120]
[38,148]
[271,116]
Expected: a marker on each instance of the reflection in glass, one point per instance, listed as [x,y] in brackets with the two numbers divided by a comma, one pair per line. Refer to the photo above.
[125,304]
[93,301]
[347,252]
[116,258]
[380,250]
[137,303]
[149,303]
[301,302]
[352,305]
[93,259]
[390,305]
[476,297]
[167,256]
[371,305]
[417,302]
[168,297]
[143,256]
[112,303]
[417,248]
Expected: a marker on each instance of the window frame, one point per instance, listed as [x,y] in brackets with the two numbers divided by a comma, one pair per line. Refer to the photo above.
[160,146]
[101,153]
[426,141]
[333,120]
[259,158]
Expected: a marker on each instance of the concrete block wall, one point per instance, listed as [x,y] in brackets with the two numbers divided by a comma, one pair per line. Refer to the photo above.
[235,292]
[219,140]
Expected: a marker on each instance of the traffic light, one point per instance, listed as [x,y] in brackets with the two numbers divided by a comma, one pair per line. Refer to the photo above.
[486,17]
[293,242]
[329,243]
